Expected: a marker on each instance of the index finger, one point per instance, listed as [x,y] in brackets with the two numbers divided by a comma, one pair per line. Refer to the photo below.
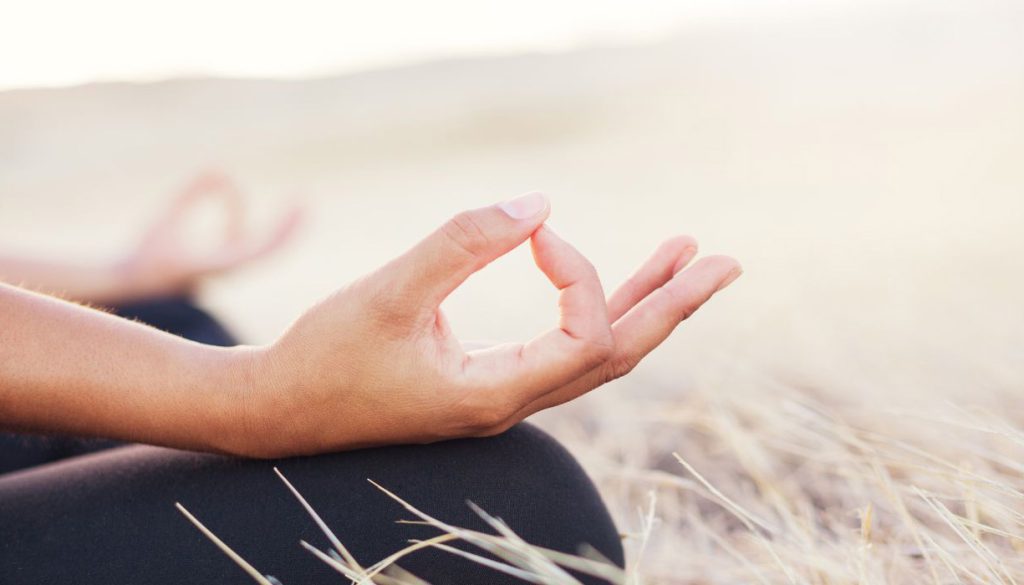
[523,372]
[647,325]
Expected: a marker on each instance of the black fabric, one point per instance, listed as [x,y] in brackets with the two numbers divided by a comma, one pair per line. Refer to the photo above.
[108,516]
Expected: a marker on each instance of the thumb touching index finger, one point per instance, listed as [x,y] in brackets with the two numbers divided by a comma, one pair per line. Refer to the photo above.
[467,242]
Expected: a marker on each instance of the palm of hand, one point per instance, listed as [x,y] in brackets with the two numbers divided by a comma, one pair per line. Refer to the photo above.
[376,363]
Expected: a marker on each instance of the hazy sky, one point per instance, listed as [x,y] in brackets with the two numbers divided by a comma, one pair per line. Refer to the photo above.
[55,42]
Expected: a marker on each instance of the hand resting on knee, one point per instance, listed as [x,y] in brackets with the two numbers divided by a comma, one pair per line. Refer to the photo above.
[375,363]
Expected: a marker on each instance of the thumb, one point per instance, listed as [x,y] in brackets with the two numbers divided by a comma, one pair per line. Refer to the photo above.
[435,267]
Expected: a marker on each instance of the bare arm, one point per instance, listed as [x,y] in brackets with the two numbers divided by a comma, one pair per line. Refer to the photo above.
[375,363]
[74,370]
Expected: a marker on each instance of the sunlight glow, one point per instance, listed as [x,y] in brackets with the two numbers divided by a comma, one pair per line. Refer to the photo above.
[55,42]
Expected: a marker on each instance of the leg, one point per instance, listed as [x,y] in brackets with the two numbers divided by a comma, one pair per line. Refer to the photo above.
[109,517]
[177,315]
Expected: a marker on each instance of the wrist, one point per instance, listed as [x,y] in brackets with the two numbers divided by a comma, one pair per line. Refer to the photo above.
[228,424]
[250,408]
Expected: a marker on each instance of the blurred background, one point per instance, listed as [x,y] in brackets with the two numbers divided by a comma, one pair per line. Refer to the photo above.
[862,159]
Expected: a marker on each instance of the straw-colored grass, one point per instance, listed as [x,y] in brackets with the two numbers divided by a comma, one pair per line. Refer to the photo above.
[797,489]
[800,487]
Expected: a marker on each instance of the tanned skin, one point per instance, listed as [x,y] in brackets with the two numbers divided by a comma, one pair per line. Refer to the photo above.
[373,364]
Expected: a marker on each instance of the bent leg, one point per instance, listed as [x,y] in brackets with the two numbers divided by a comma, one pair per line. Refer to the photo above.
[110,517]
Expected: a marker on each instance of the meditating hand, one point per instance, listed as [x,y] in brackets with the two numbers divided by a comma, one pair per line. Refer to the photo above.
[162,263]
[376,362]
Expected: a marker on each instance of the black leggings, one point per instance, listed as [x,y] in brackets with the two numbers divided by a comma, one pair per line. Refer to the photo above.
[93,511]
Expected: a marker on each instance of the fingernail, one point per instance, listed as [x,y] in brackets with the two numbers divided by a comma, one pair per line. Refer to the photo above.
[525,206]
[733,275]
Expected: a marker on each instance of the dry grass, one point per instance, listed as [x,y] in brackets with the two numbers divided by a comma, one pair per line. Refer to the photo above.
[864,166]
[790,490]
[800,488]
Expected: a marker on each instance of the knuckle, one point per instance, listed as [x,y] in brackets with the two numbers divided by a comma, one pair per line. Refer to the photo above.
[477,416]
[597,349]
[619,366]
[487,420]
[682,300]
[590,269]
[466,233]
[490,431]
[497,429]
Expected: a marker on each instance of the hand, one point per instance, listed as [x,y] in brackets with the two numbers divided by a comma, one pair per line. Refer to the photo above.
[163,265]
[376,363]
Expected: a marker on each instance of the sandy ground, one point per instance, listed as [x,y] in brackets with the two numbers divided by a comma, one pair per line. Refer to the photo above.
[864,166]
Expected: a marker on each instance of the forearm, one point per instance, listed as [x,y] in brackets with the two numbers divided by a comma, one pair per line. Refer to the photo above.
[69,369]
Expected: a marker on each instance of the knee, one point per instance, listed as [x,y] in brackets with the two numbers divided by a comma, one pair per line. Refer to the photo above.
[522,476]
[539,489]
